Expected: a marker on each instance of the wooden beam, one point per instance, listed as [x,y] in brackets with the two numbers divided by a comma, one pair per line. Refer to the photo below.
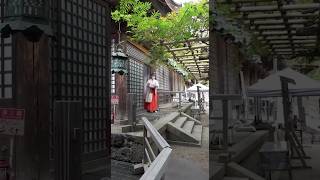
[276,8]
[187,48]
[196,67]
[277,15]
[286,37]
[277,27]
[187,55]
[288,50]
[186,62]
[275,22]
[200,66]
[289,45]
[188,40]
[276,32]
[301,6]
[307,41]
[196,58]
[268,27]
[258,8]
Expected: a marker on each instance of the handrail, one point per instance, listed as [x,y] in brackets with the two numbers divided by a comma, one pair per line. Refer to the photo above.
[172,92]
[155,135]
[157,164]
[163,91]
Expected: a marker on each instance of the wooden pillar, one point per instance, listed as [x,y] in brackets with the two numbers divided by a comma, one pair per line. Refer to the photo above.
[122,91]
[132,109]
[32,94]
[301,112]
[219,65]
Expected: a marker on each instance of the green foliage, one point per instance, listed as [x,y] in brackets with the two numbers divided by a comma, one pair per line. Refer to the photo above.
[224,9]
[255,47]
[148,26]
[315,74]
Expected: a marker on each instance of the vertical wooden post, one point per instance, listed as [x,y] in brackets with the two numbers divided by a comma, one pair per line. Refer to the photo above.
[179,100]
[32,94]
[275,64]
[244,96]
[145,135]
[132,109]
[68,140]
[225,105]
[122,91]
[301,112]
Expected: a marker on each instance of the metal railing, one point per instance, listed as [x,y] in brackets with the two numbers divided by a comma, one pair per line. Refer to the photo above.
[155,164]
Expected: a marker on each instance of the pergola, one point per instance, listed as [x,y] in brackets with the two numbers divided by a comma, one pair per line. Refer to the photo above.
[287,28]
[193,54]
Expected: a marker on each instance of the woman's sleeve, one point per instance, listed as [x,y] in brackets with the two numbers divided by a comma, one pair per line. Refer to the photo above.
[148,84]
[157,83]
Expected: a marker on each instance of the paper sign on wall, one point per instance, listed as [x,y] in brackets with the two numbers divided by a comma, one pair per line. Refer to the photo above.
[12,121]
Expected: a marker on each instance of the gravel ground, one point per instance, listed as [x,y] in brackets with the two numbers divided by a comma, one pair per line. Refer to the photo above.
[126,148]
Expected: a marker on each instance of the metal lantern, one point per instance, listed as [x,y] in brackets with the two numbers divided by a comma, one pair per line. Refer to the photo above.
[31,17]
[119,62]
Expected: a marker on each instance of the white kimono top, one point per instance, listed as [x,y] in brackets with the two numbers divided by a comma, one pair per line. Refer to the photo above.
[153,83]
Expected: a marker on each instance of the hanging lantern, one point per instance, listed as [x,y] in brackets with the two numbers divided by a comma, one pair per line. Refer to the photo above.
[30,17]
[119,62]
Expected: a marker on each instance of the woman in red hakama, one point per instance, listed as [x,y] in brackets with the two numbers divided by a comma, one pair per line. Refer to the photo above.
[152,86]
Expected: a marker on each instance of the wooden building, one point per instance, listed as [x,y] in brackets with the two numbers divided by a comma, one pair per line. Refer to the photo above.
[71,65]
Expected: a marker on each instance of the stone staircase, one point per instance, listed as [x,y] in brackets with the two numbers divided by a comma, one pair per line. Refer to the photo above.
[184,130]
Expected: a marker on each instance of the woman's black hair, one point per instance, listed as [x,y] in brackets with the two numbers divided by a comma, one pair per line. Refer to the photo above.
[153,74]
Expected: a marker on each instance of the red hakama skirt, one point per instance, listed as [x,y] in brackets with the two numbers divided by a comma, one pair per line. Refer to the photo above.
[153,105]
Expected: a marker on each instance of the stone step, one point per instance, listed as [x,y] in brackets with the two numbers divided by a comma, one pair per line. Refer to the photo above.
[197,132]
[188,126]
[179,134]
[180,121]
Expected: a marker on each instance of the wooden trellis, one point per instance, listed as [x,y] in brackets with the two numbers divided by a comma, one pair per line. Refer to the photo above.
[286,27]
[193,54]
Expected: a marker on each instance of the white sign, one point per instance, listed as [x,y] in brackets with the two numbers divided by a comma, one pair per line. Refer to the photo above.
[114,99]
[12,121]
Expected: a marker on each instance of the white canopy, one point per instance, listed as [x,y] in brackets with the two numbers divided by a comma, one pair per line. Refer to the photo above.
[202,88]
[271,85]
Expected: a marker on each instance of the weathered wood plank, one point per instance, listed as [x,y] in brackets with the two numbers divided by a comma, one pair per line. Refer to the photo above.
[155,135]
[158,167]
[32,94]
